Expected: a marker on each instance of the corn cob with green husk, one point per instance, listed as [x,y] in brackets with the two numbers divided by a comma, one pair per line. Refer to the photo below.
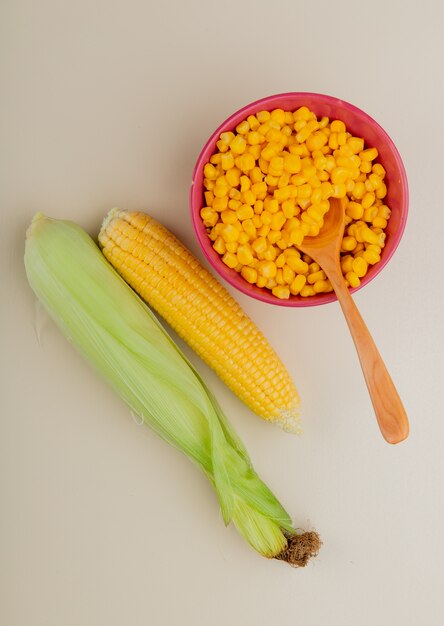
[108,323]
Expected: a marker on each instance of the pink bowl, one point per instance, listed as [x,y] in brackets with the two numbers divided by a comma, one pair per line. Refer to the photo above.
[358,123]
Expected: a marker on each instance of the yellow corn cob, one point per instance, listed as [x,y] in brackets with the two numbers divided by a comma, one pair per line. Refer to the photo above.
[174,283]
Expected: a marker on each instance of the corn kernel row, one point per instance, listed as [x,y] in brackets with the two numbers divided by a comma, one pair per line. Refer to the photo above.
[268,186]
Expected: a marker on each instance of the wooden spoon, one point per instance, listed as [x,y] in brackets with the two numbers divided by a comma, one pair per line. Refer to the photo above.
[325,250]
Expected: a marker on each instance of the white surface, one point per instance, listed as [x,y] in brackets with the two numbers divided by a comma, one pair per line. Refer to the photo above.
[109,103]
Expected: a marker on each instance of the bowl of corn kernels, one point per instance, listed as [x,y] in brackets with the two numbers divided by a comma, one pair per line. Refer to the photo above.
[263,182]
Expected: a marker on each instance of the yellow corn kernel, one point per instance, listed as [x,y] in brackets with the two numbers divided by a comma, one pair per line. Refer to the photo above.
[263,116]
[280,261]
[220,190]
[269,152]
[368,200]
[379,170]
[230,260]
[244,255]
[297,265]
[230,233]
[314,276]
[238,145]
[368,155]
[354,210]
[219,246]
[232,246]
[273,135]
[337,126]
[316,140]
[321,286]
[316,196]
[254,138]
[370,237]
[267,269]
[371,256]
[209,197]
[243,238]
[276,167]
[273,237]
[227,161]
[245,212]
[259,245]
[249,228]
[249,197]
[279,278]
[339,190]
[263,164]
[342,138]
[272,181]
[292,163]
[220,204]
[315,213]
[365,167]
[304,191]
[297,236]
[297,284]
[215,159]
[245,162]
[283,181]
[373,182]
[356,144]
[209,184]
[266,217]
[259,206]
[235,194]
[271,205]
[379,222]
[349,244]
[281,194]
[277,220]
[243,127]
[339,175]
[259,189]
[307,291]
[288,208]
[232,204]
[263,230]
[333,141]
[347,263]
[353,279]
[249,274]
[326,190]
[245,183]
[359,190]
[209,217]
[360,267]
[228,216]
[288,274]
[255,175]
[261,281]
[255,151]
[210,172]
[381,192]
[281,291]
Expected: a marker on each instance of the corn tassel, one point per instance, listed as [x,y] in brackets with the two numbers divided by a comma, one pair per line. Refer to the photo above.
[117,333]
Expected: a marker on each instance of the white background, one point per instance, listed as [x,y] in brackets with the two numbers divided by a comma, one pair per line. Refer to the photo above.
[107,103]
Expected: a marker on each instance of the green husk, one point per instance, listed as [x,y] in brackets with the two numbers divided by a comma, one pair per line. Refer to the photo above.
[118,334]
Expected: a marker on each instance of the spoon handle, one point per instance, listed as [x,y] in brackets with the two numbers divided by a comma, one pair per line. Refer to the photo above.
[390,413]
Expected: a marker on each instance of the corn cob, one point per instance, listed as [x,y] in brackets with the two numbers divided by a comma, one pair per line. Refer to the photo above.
[174,283]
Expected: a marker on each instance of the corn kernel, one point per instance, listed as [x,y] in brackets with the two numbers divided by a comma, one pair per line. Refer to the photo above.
[267,269]
[314,276]
[354,210]
[297,236]
[339,190]
[263,164]
[368,155]
[353,279]
[228,216]
[379,222]
[368,200]
[259,245]
[209,197]
[379,170]
[245,212]
[209,217]
[215,159]
[220,204]
[274,236]
[266,217]
[244,255]
[227,161]
[349,244]
[219,245]
[263,230]
[259,189]
[381,192]
[249,228]
[249,274]
[297,284]
[281,291]
[347,263]
[277,221]
[371,256]
[360,267]
[220,191]
[282,194]
[288,208]
[261,281]
[365,167]
[359,190]
[321,286]
[356,144]
[230,233]
[238,145]
[307,291]
[255,175]
[230,259]
[210,171]
[243,238]
[263,116]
